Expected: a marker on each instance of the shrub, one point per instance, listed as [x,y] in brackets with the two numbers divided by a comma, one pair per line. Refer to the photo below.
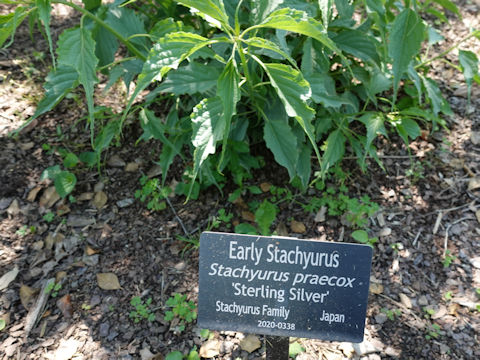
[290,75]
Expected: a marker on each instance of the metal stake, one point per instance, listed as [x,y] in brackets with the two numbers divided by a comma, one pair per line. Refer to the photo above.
[276,347]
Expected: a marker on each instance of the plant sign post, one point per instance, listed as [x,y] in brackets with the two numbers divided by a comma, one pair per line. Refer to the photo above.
[282,287]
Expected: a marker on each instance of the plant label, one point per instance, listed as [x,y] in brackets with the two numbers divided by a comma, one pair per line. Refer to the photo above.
[283,286]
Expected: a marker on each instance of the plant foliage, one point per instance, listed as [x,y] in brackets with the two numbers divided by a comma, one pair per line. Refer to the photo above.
[308,79]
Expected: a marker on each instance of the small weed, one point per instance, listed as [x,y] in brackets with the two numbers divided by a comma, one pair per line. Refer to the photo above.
[191,243]
[222,218]
[428,312]
[362,237]
[448,296]
[111,308]
[294,349]
[477,291]
[416,171]
[49,216]
[182,309]
[153,192]
[142,310]
[448,259]
[25,230]
[391,314]
[3,324]
[206,334]
[433,331]
[53,289]
[396,247]
[86,307]
[338,203]
[177,355]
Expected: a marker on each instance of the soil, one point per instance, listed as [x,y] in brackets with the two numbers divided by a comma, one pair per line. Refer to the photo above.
[423,302]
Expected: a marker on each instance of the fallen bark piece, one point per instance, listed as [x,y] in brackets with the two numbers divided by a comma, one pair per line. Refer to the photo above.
[7,278]
[36,311]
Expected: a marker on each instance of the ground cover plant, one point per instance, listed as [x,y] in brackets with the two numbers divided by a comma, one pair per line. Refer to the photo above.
[307,80]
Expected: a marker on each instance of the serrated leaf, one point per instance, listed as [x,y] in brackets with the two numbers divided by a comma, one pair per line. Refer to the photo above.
[88,157]
[280,138]
[325,7]
[44,9]
[244,228]
[65,183]
[299,22]
[408,128]
[269,45]
[126,22]
[405,39]
[374,122]
[76,48]
[58,83]
[208,127]
[333,150]
[294,91]
[213,8]
[164,27]
[304,168]
[229,92]
[165,55]
[435,96]
[358,44]
[190,79]
[265,216]
[469,65]
[323,91]
[106,135]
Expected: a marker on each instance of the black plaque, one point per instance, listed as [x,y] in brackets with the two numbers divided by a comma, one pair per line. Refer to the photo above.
[283,286]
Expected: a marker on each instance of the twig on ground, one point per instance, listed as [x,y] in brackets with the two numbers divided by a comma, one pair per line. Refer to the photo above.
[177,217]
[416,238]
[437,222]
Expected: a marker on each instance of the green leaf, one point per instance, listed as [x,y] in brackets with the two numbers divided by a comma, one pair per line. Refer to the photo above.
[65,183]
[244,228]
[88,157]
[70,161]
[333,150]
[374,122]
[325,7]
[190,79]
[449,5]
[50,173]
[408,128]
[76,48]
[405,39]
[106,135]
[269,45]
[91,4]
[213,8]
[295,349]
[208,127]
[279,137]
[165,55]
[228,91]
[294,91]
[3,324]
[469,65]
[361,236]
[265,216]
[44,9]
[304,168]
[299,22]
[358,44]
[10,22]
[323,91]
[174,355]
[435,96]
[126,22]
[164,27]
[58,83]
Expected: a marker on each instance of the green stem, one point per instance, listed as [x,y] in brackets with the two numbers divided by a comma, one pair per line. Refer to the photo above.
[451,48]
[115,33]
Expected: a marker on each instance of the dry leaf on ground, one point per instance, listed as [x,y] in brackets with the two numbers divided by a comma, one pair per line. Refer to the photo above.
[7,278]
[210,349]
[108,281]
[298,227]
[250,343]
